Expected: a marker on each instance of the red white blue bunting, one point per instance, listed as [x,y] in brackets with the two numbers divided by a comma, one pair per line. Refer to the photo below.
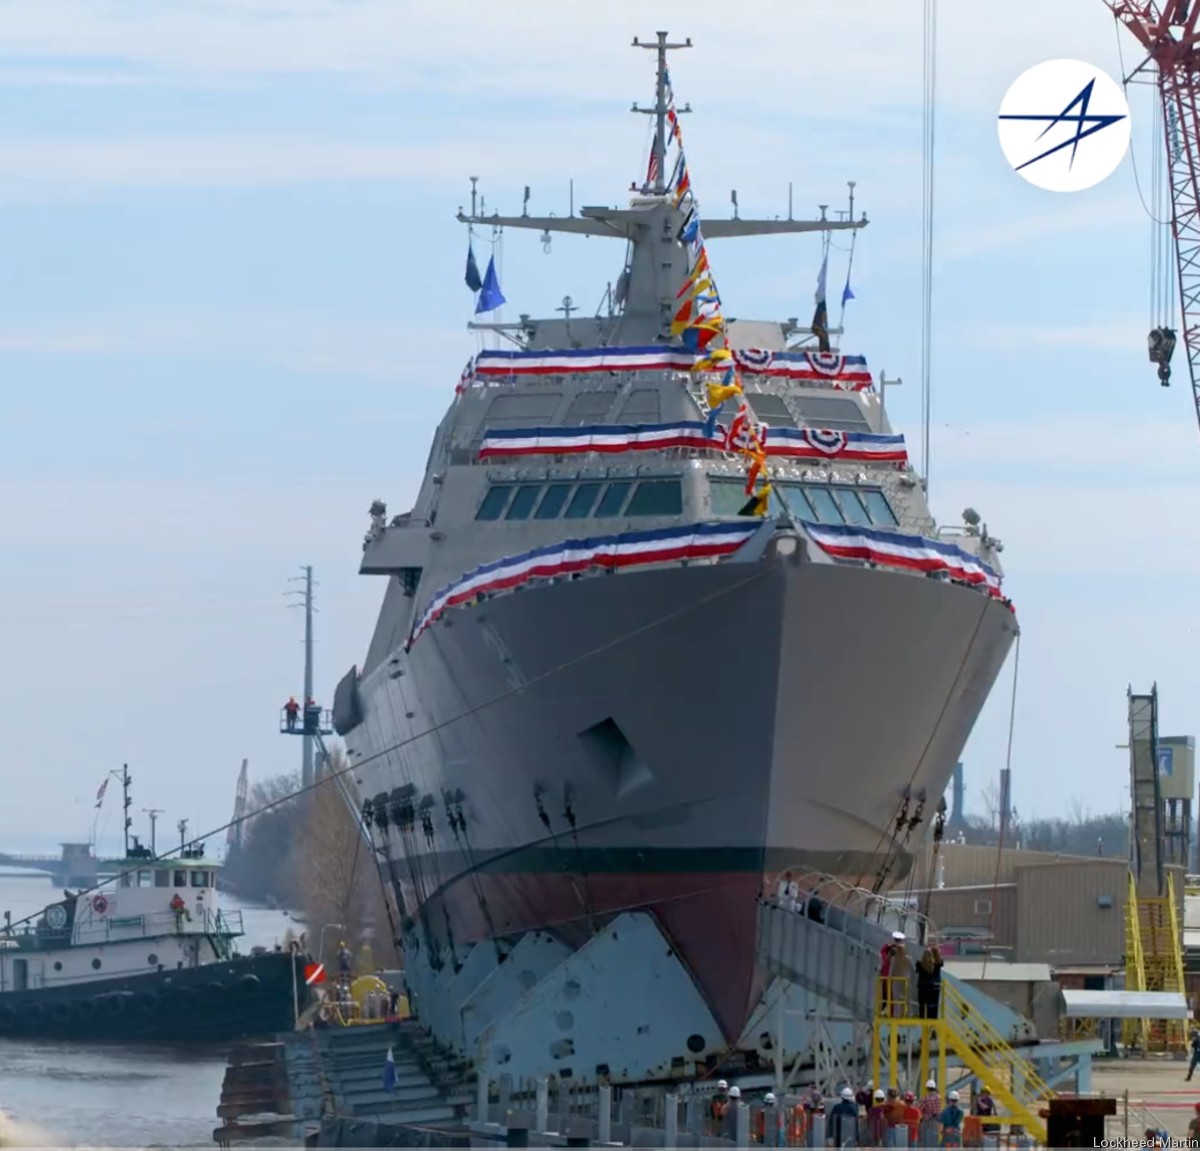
[829,368]
[629,549]
[783,443]
[913,553]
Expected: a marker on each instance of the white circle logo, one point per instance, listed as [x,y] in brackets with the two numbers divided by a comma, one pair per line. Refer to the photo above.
[1064,125]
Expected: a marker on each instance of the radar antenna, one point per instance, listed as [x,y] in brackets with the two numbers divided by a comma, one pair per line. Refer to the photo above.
[659,111]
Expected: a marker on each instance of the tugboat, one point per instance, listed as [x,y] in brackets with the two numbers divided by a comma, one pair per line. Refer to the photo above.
[148,956]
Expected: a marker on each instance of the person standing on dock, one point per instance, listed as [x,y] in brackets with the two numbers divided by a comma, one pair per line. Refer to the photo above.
[901,980]
[717,1107]
[877,1124]
[929,983]
[951,1120]
[931,1108]
[843,1120]
[1195,1044]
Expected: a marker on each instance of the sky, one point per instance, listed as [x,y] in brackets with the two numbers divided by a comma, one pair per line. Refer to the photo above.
[233,312]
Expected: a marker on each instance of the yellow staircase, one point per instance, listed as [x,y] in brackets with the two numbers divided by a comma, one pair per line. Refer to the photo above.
[1153,962]
[962,1031]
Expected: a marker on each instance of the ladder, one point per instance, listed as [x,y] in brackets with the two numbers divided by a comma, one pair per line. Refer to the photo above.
[1162,963]
[959,1029]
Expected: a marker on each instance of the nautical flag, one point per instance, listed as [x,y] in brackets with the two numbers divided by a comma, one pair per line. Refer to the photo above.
[684,185]
[314,973]
[847,291]
[490,296]
[699,336]
[682,318]
[468,374]
[697,269]
[820,321]
[690,231]
[472,276]
[673,118]
[757,505]
[719,393]
[652,168]
[389,1071]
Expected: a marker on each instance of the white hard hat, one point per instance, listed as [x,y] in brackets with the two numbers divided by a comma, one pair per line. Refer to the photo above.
[898,936]
[879,1093]
[932,1085]
[769,1097]
[735,1092]
[847,1093]
[722,1085]
[953,1096]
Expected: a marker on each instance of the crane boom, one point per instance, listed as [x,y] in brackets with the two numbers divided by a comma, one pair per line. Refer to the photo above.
[1168,33]
[234,837]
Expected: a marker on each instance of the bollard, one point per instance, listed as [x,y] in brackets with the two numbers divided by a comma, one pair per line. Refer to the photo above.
[816,1129]
[693,1115]
[741,1124]
[543,1105]
[481,1099]
[504,1092]
[770,1126]
[604,1113]
[562,1096]
[671,1120]
[898,1136]
[991,1138]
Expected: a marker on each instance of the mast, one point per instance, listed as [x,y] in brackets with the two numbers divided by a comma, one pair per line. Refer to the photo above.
[659,111]
[126,803]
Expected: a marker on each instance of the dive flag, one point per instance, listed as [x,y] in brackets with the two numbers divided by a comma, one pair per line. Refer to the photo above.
[100,794]
[472,276]
[389,1071]
[314,973]
[490,296]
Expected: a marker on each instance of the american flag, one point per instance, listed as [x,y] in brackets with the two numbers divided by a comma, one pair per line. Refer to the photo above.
[652,169]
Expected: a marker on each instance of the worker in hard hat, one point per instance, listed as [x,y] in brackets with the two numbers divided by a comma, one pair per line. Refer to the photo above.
[912,1118]
[951,1121]
[930,1108]
[345,961]
[718,1106]
[877,1118]
[843,1120]
[735,1101]
[292,711]
[766,1122]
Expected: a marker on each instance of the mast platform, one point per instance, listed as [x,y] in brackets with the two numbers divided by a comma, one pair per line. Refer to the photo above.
[307,721]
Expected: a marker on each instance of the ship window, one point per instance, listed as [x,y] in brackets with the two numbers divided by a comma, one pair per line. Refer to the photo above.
[728,496]
[657,498]
[152,959]
[523,502]
[587,407]
[95,964]
[199,878]
[145,879]
[834,413]
[878,507]
[493,502]
[612,500]
[798,502]
[181,879]
[552,502]
[127,879]
[772,410]
[583,501]
[824,506]
[641,406]
[162,879]
[852,507]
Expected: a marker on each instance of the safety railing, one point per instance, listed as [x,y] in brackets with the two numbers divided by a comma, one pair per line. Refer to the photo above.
[857,905]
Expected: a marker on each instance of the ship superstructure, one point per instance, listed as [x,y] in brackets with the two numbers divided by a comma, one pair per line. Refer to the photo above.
[668,616]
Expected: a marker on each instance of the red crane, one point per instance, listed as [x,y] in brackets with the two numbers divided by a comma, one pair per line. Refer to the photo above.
[1168,33]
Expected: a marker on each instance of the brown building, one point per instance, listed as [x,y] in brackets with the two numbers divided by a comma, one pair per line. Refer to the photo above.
[1034,907]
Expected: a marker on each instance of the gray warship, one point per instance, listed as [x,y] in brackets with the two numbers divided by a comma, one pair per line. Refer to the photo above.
[613,682]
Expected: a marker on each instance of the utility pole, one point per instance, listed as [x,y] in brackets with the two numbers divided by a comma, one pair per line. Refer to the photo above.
[153,813]
[306,761]
[182,827]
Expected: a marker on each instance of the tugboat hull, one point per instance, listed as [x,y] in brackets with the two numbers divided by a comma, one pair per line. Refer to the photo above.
[242,998]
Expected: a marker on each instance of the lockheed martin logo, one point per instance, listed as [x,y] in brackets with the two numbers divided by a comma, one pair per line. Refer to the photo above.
[1064,125]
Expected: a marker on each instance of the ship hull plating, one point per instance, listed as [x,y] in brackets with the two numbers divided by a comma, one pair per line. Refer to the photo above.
[663,740]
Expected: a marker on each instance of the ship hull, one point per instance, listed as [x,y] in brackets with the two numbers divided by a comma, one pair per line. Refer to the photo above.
[214,1004]
[703,728]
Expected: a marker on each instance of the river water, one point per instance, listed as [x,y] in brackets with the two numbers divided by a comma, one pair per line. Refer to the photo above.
[72,1094]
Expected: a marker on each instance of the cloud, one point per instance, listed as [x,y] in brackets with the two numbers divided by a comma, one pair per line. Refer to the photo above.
[319,343]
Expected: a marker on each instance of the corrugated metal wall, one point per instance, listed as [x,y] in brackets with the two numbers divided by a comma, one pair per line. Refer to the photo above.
[1061,917]
[979,909]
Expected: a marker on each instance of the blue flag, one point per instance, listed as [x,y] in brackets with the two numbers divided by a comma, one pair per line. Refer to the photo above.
[472,277]
[389,1071]
[847,291]
[490,296]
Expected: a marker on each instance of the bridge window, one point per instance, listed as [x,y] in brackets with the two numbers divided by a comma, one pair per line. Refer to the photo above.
[589,407]
[181,879]
[494,501]
[877,505]
[583,501]
[728,496]
[772,410]
[552,502]
[127,878]
[656,498]
[145,879]
[162,879]
[199,878]
[641,407]
[522,502]
[824,506]
[797,501]
[613,499]
[852,507]
[834,413]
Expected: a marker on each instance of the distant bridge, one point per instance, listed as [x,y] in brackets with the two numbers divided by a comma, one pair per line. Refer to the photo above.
[76,866]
